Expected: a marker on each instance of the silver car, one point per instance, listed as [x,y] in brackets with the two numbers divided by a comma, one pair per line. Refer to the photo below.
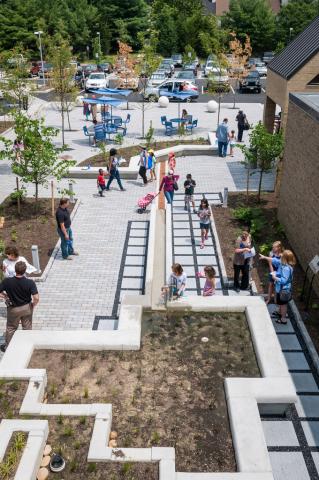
[156,79]
[261,68]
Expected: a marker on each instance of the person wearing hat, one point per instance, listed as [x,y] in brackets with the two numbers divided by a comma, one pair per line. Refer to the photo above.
[151,164]
[143,162]
[169,183]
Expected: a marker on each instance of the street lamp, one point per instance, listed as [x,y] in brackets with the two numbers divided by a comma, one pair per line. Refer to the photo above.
[38,33]
[290,32]
[99,35]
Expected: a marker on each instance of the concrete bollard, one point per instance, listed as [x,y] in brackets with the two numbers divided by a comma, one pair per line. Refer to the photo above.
[225,198]
[35,257]
[71,192]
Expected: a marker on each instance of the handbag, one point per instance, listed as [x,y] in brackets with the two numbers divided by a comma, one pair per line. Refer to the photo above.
[286,295]
[175,186]
[246,126]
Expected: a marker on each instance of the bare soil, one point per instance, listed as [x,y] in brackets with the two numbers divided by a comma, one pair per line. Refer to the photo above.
[30,228]
[170,393]
[228,229]
[128,152]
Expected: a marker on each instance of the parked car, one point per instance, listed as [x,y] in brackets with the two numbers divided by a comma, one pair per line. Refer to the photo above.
[96,80]
[47,70]
[105,67]
[261,68]
[170,85]
[177,59]
[268,56]
[34,69]
[218,80]
[79,78]
[253,61]
[168,66]
[156,79]
[209,66]
[186,75]
[250,83]
[162,71]
[191,66]
[88,69]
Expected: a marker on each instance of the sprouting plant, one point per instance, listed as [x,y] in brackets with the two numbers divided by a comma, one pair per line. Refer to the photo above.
[92,467]
[76,445]
[68,431]
[73,465]
[82,420]
[14,235]
[127,467]
[60,419]
[86,392]
[53,389]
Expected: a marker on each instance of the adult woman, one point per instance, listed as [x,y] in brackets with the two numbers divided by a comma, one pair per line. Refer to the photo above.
[242,261]
[274,262]
[241,122]
[113,170]
[169,182]
[283,284]
[8,264]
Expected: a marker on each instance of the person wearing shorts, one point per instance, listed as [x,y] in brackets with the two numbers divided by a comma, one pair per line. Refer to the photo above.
[189,186]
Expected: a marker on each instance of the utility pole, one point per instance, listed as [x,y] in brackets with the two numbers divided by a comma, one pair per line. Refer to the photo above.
[38,33]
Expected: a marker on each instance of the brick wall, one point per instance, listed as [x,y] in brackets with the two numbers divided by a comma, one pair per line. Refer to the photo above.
[299,191]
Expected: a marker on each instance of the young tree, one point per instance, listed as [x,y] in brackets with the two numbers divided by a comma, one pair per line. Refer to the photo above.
[14,84]
[62,79]
[240,55]
[263,151]
[39,159]
[125,66]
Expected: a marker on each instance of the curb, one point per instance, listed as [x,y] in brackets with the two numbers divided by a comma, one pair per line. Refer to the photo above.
[55,251]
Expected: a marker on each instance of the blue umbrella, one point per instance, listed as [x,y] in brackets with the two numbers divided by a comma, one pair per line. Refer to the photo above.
[114,91]
[180,96]
[112,102]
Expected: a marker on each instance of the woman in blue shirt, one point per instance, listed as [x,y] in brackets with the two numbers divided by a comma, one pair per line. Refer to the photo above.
[283,284]
[274,262]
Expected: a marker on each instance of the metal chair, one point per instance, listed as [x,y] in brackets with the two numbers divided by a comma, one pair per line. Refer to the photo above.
[189,127]
[163,119]
[88,134]
[169,129]
[111,129]
[100,136]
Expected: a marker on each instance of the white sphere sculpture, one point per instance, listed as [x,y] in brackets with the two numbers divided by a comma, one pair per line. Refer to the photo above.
[163,102]
[212,106]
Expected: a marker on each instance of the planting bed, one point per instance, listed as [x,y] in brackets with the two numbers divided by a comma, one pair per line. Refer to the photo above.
[30,228]
[128,152]
[170,393]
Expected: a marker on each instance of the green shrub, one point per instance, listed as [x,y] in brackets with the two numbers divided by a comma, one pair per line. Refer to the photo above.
[243,214]
[265,248]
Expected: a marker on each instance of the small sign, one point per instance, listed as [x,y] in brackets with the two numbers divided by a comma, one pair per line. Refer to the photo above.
[314,264]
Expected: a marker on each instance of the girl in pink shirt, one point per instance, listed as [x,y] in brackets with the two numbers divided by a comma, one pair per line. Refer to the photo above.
[209,273]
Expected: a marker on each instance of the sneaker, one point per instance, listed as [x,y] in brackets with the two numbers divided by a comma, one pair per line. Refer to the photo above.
[3,347]
[75,253]
[194,211]
[123,189]
[202,245]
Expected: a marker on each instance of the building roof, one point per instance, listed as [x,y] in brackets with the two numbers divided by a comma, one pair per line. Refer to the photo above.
[209,6]
[308,102]
[298,52]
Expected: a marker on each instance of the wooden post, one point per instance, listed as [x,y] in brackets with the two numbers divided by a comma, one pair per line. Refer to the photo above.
[52,199]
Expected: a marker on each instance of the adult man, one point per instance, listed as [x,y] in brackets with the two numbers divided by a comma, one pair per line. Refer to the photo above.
[222,134]
[143,164]
[21,296]
[63,220]
[241,122]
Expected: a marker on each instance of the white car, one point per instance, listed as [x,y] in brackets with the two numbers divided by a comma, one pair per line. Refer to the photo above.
[261,69]
[210,67]
[156,79]
[95,81]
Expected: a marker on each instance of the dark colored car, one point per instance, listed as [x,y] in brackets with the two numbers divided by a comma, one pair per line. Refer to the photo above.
[177,59]
[251,83]
[105,67]
[35,69]
[89,68]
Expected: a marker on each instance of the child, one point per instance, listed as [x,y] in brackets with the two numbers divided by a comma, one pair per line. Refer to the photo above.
[171,161]
[204,220]
[86,110]
[209,287]
[232,142]
[177,281]
[274,263]
[189,186]
[151,164]
[101,182]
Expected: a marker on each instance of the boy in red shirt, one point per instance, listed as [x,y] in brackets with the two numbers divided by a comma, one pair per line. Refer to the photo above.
[101,182]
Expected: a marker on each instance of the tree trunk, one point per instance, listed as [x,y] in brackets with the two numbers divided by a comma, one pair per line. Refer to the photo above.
[18,198]
[68,114]
[62,116]
[36,195]
[260,183]
[143,118]
[247,185]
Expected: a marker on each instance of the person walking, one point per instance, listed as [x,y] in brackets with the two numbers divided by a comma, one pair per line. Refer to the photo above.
[143,162]
[204,214]
[101,182]
[189,186]
[151,164]
[63,220]
[241,261]
[114,170]
[283,284]
[222,135]
[169,184]
[86,110]
[21,296]
[241,123]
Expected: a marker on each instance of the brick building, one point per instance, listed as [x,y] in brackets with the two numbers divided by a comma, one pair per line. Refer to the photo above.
[219,7]
[295,69]
[299,189]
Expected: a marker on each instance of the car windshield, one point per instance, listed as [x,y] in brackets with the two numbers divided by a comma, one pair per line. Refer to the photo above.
[254,74]
[157,76]
[262,65]
[96,76]
[188,74]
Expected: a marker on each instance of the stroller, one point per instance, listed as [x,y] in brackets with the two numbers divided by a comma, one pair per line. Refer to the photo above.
[144,202]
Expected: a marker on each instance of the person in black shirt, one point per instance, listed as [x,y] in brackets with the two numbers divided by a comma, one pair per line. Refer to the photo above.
[21,296]
[63,220]
[189,186]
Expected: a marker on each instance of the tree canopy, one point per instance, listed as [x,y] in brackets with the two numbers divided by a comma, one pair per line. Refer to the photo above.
[296,15]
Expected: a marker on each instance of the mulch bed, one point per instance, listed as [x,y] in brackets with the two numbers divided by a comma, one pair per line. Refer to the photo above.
[30,228]
[5,125]
[228,229]
[170,393]
[128,152]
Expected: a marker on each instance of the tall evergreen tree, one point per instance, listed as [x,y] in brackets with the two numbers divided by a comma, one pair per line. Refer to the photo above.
[294,18]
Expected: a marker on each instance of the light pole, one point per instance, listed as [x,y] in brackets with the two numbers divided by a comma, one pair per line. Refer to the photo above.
[290,32]
[41,56]
[99,35]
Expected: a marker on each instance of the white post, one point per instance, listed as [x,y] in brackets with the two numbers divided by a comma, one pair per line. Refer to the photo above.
[41,56]
[225,198]
[35,258]
[71,192]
